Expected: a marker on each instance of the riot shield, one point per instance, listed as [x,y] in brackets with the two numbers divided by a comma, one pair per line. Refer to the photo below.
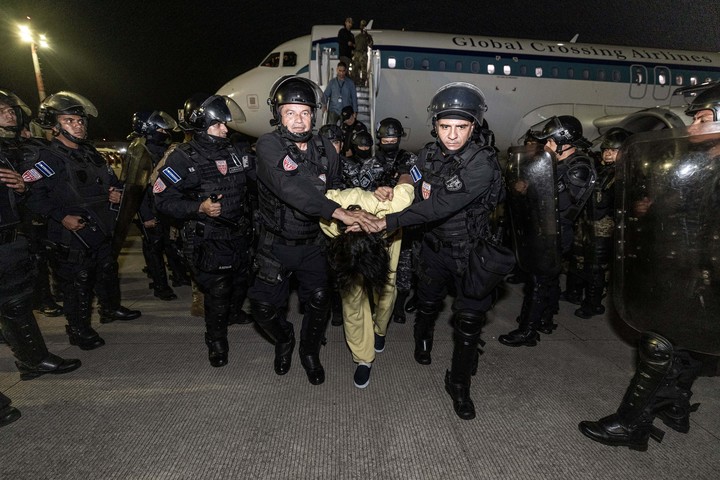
[667,259]
[531,179]
[135,175]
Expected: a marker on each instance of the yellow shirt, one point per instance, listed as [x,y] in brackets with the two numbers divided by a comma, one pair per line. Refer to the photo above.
[403,195]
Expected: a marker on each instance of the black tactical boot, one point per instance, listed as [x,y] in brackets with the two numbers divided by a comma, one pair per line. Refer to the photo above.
[78,312]
[526,334]
[398,314]
[547,324]
[217,350]
[632,425]
[8,415]
[312,335]
[108,315]
[267,318]
[468,326]
[22,333]
[427,313]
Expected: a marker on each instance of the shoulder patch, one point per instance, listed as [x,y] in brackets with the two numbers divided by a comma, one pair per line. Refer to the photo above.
[171,174]
[159,186]
[426,189]
[45,169]
[454,184]
[415,174]
[31,175]
[221,166]
[323,177]
[289,164]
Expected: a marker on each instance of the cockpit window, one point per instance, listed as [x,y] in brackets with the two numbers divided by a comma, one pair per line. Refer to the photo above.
[289,59]
[272,60]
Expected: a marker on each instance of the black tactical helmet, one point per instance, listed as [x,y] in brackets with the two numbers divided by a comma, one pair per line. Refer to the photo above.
[389,127]
[147,123]
[458,100]
[294,89]
[564,130]
[331,132]
[64,103]
[202,111]
[614,138]
[22,112]
[709,99]
[361,139]
[346,112]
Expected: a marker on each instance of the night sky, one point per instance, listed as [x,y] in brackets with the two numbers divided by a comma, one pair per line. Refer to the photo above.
[127,55]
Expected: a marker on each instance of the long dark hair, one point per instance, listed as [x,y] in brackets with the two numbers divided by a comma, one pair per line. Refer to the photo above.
[359,258]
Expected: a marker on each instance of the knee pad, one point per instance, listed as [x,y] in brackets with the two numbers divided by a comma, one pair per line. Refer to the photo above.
[16,307]
[262,312]
[319,299]
[110,269]
[220,287]
[469,323]
[428,308]
[655,350]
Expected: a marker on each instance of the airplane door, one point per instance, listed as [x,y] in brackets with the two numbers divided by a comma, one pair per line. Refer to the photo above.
[661,86]
[638,81]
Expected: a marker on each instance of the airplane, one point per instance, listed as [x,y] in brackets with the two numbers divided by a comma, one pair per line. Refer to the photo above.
[525,81]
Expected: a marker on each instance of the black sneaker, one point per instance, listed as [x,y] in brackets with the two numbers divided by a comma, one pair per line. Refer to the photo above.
[362,376]
[379,343]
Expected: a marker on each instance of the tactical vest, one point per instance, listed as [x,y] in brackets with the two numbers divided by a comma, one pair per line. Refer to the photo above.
[576,181]
[470,222]
[232,184]
[278,217]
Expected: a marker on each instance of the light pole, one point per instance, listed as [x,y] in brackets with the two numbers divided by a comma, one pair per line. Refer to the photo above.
[27,35]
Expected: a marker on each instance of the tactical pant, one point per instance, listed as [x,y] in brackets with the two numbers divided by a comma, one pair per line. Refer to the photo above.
[153,248]
[361,322]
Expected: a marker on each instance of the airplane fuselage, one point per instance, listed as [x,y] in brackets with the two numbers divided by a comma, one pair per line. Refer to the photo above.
[524,81]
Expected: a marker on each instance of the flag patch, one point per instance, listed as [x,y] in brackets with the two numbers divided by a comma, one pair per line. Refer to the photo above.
[289,164]
[159,186]
[45,169]
[415,174]
[31,175]
[426,188]
[323,177]
[171,174]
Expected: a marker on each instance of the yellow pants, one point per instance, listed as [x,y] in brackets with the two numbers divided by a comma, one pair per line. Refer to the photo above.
[359,322]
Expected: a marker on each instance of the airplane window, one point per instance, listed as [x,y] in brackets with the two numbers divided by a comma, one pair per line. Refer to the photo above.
[538,71]
[693,81]
[638,76]
[289,59]
[570,72]
[425,64]
[507,70]
[661,79]
[555,71]
[616,76]
[490,68]
[442,65]
[586,74]
[523,69]
[601,75]
[475,67]
[707,80]
[272,60]
[252,101]
[458,66]
[392,62]
[409,63]
[678,79]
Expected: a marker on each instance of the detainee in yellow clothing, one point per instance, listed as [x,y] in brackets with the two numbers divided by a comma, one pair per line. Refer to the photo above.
[359,322]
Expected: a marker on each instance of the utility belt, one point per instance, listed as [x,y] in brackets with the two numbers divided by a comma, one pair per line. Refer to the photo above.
[64,253]
[215,231]
[458,248]
[271,238]
[8,235]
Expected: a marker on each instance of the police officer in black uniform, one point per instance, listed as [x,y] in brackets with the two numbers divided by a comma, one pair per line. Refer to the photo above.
[17,268]
[295,168]
[151,131]
[597,225]
[458,185]
[79,193]
[575,181]
[389,162]
[350,125]
[204,182]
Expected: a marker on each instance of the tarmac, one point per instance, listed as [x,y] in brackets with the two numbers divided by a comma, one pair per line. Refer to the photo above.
[148,405]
